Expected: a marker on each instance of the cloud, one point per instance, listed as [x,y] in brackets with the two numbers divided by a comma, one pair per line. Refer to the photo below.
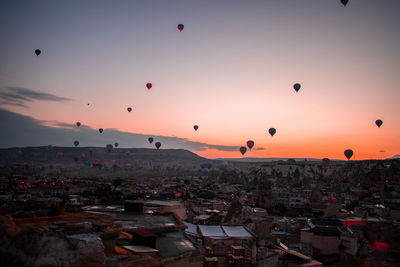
[57,124]
[197,146]
[259,148]
[23,131]
[19,96]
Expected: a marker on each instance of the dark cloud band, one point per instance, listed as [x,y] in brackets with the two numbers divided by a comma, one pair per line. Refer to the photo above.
[63,134]
[19,96]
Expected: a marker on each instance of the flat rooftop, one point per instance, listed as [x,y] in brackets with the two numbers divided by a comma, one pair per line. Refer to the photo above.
[155,223]
[173,244]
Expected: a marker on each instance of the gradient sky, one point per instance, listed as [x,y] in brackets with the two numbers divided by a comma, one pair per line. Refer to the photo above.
[231,71]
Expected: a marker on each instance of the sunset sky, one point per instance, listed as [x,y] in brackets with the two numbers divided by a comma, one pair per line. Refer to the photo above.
[231,71]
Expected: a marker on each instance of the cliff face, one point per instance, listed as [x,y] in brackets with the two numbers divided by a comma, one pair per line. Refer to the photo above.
[39,247]
[97,162]
[37,155]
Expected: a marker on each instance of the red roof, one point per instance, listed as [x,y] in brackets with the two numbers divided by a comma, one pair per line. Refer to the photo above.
[144,233]
[378,246]
[349,223]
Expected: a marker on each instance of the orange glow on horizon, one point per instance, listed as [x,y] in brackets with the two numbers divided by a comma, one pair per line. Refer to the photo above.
[315,148]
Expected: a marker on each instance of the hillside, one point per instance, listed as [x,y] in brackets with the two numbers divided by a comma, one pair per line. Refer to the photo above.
[250,159]
[97,161]
[91,153]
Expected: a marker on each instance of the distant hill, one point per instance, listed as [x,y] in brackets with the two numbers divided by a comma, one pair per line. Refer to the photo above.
[43,153]
[97,162]
[396,156]
[139,164]
[266,159]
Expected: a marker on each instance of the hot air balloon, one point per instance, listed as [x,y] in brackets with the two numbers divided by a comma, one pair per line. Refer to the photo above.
[379,123]
[109,147]
[78,124]
[180,27]
[348,153]
[49,147]
[76,158]
[272,131]
[196,127]
[129,109]
[83,156]
[76,143]
[250,144]
[243,150]
[297,87]
[326,161]
[116,144]
[38,52]
[101,130]
[149,85]
[59,154]
[158,145]
[344,2]
[151,139]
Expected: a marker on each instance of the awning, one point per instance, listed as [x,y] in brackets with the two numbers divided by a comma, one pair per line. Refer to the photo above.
[236,232]
[212,231]
[191,228]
